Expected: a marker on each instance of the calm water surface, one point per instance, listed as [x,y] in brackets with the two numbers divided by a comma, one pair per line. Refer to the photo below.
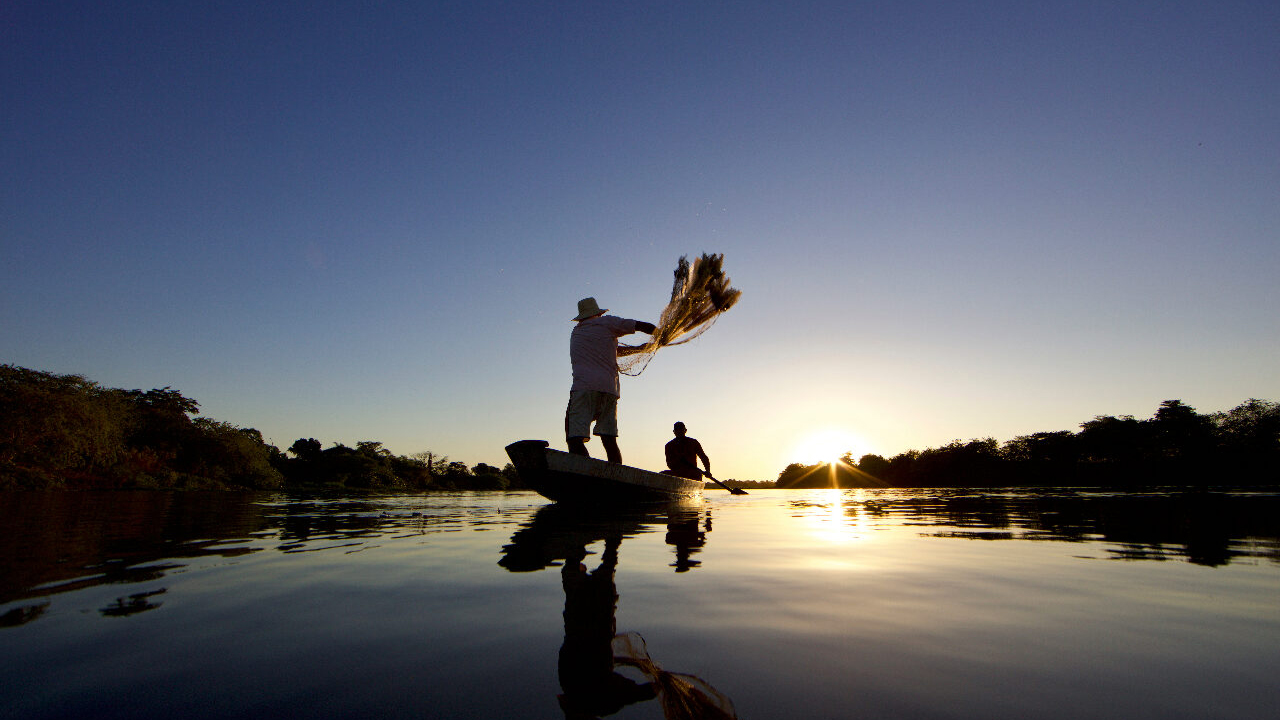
[813,604]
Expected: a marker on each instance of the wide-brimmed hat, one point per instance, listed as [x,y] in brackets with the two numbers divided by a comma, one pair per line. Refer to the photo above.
[587,307]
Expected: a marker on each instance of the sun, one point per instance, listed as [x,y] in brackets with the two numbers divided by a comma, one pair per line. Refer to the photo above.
[826,445]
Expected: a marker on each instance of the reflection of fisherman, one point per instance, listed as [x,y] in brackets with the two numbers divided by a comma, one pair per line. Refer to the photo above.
[593,397]
[591,687]
[683,532]
[683,454]
[592,653]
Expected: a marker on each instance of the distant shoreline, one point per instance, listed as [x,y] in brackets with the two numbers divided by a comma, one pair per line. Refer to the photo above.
[65,432]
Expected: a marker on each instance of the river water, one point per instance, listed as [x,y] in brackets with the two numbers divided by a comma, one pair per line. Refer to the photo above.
[776,604]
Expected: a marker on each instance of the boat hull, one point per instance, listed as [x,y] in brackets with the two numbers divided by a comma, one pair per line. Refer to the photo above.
[567,478]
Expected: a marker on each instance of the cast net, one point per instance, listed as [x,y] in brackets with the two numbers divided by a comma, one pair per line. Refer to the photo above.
[683,696]
[700,293]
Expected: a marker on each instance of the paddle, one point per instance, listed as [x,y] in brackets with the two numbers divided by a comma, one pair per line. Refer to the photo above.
[732,490]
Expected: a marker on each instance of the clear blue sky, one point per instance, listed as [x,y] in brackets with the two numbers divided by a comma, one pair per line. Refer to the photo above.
[373,220]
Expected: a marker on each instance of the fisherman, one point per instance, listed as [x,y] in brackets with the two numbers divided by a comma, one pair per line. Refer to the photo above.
[593,397]
[683,453]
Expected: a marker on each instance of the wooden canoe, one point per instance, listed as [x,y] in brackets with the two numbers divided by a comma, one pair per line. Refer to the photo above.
[568,478]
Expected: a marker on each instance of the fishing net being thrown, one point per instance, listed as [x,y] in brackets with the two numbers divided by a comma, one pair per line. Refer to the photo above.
[700,293]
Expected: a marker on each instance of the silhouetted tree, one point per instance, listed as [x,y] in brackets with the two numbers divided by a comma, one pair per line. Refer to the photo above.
[1109,439]
[791,475]
[1248,439]
[513,477]
[1059,447]
[230,455]
[485,469]
[372,448]
[874,465]
[1182,433]
[902,469]
[973,463]
[1177,445]
[55,426]
[66,431]
[437,464]
[306,448]
[1253,425]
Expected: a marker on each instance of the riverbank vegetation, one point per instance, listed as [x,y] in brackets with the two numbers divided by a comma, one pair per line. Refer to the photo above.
[67,432]
[1176,446]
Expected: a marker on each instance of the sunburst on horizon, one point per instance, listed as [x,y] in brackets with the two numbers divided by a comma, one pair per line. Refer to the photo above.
[827,445]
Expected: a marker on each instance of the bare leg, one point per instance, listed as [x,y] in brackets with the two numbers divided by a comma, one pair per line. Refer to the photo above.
[578,446]
[611,450]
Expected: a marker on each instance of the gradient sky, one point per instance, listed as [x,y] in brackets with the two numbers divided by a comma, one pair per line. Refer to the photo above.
[373,220]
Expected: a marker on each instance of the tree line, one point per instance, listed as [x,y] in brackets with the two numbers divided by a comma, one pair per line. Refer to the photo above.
[1177,445]
[64,431]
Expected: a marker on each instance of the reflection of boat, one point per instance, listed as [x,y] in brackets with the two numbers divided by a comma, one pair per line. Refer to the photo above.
[559,531]
[568,478]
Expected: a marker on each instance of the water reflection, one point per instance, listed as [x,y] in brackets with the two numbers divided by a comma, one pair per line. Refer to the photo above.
[557,532]
[136,603]
[594,655]
[687,537]
[868,603]
[310,524]
[1205,528]
[23,614]
[591,685]
[55,543]
[60,542]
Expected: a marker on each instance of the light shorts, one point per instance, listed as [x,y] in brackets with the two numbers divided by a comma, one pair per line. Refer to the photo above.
[587,406]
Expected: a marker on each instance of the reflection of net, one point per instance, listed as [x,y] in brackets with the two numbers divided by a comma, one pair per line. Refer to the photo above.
[699,294]
[683,697]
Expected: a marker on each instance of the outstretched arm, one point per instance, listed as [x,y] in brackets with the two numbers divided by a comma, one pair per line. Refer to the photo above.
[643,326]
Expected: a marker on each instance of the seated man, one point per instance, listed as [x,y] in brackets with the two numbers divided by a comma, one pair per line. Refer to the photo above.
[683,453]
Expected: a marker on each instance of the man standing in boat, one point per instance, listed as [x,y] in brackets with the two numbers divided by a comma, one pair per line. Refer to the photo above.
[683,454]
[593,397]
